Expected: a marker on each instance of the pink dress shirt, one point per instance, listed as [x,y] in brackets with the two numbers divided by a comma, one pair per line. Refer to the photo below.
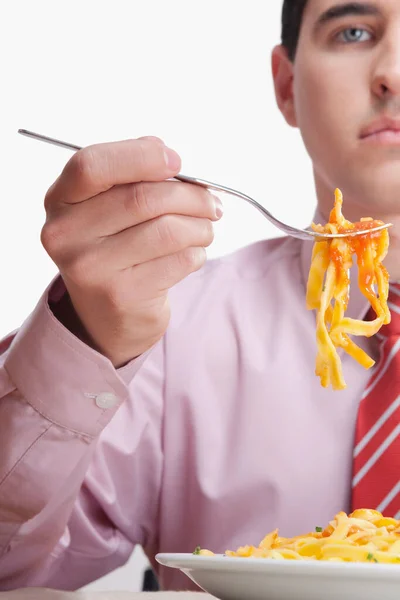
[214,437]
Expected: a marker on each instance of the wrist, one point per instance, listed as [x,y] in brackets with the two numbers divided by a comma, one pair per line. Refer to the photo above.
[64,311]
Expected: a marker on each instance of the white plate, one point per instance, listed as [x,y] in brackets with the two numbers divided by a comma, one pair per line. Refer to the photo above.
[231,578]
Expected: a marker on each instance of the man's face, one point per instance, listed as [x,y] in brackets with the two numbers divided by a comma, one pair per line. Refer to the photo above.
[346,86]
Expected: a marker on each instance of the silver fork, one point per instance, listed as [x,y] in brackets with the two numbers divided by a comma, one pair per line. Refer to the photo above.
[303,234]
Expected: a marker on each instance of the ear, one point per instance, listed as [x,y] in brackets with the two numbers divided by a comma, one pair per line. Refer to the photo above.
[282,72]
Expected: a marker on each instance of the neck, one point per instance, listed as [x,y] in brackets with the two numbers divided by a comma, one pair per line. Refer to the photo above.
[354,210]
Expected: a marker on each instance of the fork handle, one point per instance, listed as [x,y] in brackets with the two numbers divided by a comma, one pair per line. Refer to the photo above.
[186,179]
[49,140]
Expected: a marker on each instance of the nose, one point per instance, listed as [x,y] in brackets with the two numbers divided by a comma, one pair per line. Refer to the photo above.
[386,74]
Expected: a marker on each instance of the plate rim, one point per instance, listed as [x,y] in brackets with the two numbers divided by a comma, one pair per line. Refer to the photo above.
[317,568]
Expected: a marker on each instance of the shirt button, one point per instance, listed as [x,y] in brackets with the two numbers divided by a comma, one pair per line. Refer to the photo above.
[106,400]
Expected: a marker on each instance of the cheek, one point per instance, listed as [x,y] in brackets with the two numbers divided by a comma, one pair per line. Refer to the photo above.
[316,110]
[327,106]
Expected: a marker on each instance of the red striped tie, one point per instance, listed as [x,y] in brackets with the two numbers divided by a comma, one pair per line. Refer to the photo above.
[376,466]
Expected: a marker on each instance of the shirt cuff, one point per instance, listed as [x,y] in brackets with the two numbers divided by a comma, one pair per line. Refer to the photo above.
[62,378]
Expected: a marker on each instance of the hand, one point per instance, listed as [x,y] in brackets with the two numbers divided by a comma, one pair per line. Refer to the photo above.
[122,236]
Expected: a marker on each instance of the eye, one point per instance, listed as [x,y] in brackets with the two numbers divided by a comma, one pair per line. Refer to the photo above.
[351,35]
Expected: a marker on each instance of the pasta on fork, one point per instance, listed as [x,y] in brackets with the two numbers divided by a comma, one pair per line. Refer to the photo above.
[328,290]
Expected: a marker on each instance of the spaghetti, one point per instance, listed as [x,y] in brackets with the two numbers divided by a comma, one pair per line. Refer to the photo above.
[328,291]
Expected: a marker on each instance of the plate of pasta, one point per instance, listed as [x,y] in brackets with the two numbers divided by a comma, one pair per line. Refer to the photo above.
[354,556]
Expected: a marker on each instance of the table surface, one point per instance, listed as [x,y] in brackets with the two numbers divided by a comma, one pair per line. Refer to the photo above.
[45,594]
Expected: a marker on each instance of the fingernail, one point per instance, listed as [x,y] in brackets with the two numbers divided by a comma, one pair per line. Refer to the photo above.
[172,159]
[219,209]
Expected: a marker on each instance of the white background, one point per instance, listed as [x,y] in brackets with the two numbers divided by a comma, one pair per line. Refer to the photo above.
[194,72]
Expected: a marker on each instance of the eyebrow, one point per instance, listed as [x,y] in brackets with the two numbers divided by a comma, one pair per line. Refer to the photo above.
[359,9]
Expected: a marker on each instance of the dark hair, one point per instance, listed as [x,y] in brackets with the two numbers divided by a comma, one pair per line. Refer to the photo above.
[292,15]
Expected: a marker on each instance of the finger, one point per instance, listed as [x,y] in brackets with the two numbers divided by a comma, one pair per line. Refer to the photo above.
[161,274]
[129,205]
[162,236]
[152,137]
[96,169]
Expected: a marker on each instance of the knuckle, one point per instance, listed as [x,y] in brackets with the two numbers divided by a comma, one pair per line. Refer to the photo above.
[49,198]
[52,237]
[138,201]
[48,201]
[167,230]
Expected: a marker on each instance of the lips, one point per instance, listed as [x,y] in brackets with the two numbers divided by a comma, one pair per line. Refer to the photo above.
[382,128]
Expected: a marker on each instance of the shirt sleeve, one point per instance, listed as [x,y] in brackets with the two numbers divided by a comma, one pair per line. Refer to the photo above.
[66,514]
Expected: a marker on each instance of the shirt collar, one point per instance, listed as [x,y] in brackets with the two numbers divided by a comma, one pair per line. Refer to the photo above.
[358,304]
